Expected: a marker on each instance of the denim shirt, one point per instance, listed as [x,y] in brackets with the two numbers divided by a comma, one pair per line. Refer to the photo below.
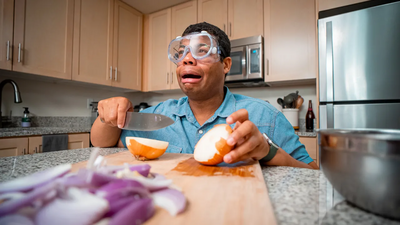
[186,131]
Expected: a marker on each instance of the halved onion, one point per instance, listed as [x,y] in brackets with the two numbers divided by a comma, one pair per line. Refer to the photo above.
[212,147]
[144,148]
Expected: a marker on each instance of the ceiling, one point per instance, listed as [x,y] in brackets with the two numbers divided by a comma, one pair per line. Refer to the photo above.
[150,6]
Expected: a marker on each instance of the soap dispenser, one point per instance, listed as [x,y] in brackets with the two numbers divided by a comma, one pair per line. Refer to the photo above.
[26,120]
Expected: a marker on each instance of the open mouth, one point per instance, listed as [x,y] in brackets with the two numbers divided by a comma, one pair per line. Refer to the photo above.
[191,76]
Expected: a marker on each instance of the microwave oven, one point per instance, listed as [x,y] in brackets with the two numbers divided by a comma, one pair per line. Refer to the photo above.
[247,61]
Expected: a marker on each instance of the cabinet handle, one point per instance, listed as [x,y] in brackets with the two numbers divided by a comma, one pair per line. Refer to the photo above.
[19,52]
[36,150]
[116,74]
[230,29]
[8,50]
[172,77]
[167,78]
[24,151]
[224,28]
[110,72]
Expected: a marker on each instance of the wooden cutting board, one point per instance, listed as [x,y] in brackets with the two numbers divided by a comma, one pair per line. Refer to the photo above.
[223,194]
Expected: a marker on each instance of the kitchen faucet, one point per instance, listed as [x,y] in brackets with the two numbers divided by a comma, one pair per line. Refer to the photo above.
[17,95]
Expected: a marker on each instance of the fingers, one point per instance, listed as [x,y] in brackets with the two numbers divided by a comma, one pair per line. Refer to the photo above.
[245,129]
[248,149]
[112,111]
[122,109]
[239,116]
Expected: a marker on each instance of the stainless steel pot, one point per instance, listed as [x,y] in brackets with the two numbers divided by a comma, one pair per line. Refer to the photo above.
[363,165]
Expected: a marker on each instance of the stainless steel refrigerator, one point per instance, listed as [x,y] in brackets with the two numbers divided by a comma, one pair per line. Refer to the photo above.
[359,69]
[359,66]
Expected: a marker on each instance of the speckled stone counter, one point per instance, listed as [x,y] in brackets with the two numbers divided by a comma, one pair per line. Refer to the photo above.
[298,196]
[301,133]
[32,131]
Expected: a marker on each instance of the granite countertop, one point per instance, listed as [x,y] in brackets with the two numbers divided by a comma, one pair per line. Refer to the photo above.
[32,131]
[298,196]
[302,133]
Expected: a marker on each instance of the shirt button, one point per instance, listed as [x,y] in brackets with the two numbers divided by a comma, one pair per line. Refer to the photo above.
[200,131]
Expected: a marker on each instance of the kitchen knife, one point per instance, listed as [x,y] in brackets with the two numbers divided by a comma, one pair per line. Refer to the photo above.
[146,121]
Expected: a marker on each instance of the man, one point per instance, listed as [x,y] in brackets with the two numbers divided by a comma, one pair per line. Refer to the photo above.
[261,132]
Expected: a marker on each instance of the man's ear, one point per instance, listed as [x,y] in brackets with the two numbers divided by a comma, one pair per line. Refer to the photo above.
[227,64]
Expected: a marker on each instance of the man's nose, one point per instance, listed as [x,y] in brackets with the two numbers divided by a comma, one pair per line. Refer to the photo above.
[189,60]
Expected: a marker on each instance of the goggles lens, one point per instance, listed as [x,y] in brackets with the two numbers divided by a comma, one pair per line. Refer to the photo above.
[201,45]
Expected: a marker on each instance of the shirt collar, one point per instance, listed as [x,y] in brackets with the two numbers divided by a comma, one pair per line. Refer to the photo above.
[227,107]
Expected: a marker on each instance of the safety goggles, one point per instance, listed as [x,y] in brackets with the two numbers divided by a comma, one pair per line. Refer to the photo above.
[202,46]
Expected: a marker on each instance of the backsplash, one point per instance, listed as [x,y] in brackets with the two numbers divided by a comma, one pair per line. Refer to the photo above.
[51,121]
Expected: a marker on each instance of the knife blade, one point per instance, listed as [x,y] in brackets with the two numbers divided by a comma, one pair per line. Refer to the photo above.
[146,121]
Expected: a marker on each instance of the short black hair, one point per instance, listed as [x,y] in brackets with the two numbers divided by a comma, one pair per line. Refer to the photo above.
[222,39]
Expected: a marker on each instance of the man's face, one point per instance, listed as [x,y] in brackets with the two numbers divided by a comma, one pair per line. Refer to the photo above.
[202,79]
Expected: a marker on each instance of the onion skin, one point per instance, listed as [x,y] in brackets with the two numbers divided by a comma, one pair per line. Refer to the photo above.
[144,152]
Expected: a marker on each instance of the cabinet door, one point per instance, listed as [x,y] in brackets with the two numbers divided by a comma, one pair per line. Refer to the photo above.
[290,40]
[245,18]
[183,15]
[43,37]
[6,35]
[127,48]
[93,23]
[311,147]
[157,63]
[13,146]
[76,141]
[214,12]
[35,145]
[329,4]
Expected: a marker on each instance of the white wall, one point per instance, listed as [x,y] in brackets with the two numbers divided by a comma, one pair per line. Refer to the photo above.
[271,94]
[58,98]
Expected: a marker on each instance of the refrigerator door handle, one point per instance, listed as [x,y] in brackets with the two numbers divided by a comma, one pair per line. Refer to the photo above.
[329,62]
[329,116]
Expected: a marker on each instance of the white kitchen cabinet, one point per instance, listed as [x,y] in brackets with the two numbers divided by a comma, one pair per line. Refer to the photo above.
[107,44]
[290,40]
[43,37]
[329,4]
[13,146]
[237,18]
[160,28]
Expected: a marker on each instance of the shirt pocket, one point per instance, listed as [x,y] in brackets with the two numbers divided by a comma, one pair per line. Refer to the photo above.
[174,149]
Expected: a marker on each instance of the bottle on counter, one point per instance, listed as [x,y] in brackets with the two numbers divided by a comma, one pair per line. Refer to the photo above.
[26,120]
[310,118]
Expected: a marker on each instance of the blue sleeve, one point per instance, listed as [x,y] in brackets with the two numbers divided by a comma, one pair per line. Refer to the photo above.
[285,137]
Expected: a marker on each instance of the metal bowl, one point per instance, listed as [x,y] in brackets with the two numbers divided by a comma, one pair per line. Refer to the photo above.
[363,165]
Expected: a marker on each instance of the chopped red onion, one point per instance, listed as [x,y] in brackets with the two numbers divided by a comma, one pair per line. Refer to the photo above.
[15,204]
[16,219]
[135,213]
[143,169]
[34,180]
[117,185]
[171,200]
[95,178]
[79,208]
[118,204]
